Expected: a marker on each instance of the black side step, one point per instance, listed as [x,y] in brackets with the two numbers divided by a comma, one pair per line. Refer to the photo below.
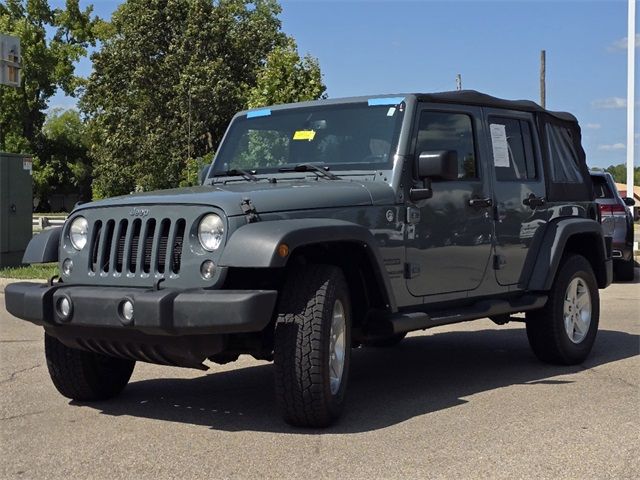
[407,322]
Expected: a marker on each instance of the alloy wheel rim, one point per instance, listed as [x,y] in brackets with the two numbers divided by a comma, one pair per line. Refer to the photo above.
[337,346]
[577,310]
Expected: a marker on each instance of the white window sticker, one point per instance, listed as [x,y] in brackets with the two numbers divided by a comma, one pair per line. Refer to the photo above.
[27,164]
[391,111]
[500,145]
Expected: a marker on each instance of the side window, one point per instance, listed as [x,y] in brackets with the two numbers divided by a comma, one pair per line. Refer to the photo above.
[512,145]
[562,155]
[449,131]
[600,187]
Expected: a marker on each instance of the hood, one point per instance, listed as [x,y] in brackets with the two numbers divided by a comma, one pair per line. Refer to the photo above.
[266,197]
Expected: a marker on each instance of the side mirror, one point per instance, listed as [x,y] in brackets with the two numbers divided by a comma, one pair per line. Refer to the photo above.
[438,165]
[202,174]
[434,165]
[630,202]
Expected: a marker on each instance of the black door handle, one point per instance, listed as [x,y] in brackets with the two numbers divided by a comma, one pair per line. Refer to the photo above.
[532,201]
[480,202]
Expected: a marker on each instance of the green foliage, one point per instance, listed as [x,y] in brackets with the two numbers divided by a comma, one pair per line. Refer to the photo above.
[619,173]
[63,165]
[287,78]
[193,166]
[169,77]
[47,64]
[37,271]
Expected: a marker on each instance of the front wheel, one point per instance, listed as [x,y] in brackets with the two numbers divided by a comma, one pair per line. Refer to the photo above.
[563,331]
[312,346]
[85,376]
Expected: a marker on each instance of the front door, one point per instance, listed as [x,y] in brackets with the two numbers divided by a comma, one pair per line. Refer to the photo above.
[518,190]
[450,246]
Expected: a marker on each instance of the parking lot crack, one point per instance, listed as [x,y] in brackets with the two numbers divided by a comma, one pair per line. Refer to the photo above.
[614,378]
[22,415]
[13,375]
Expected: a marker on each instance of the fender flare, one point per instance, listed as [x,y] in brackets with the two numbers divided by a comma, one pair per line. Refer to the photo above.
[43,248]
[255,245]
[552,247]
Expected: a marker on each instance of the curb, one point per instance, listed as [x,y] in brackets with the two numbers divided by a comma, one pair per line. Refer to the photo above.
[6,281]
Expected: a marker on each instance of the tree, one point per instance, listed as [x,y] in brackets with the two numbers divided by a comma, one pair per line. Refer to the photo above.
[52,40]
[63,165]
[287,78]
[169,77]
[619,173]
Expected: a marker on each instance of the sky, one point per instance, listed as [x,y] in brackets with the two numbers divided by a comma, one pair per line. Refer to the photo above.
[371,47]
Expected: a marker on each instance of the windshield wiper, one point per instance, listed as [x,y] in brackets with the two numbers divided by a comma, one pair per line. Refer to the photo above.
[237,172]
[310,167]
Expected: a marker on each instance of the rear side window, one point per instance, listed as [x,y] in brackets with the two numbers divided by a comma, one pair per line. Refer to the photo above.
[513,157]
[562,155]
[449,131]
[601,187]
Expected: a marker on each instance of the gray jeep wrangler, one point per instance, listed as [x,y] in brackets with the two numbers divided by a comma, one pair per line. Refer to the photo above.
[324,226]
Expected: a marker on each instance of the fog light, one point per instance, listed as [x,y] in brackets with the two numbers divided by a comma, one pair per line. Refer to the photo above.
[65,308]
[67,266]
[126,311]
[207,269]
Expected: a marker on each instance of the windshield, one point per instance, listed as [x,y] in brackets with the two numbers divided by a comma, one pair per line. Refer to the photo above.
[350,136]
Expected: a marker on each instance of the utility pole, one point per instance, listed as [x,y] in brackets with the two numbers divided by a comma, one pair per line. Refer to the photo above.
[458,82]
[543,78]
[631,99]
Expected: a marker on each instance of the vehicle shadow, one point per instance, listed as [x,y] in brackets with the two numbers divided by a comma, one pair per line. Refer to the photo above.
[387,386]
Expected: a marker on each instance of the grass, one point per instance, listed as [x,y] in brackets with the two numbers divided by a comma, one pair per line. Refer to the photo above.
[36,271]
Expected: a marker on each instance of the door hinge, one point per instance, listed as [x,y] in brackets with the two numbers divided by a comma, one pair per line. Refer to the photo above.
[413,215]
[499,262]
[250,212]
[411,270]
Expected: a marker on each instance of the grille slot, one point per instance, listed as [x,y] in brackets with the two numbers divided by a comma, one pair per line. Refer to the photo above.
[140,246]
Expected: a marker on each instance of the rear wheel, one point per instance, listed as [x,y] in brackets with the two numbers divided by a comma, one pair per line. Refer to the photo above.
[85,376]
[563,331]
[312,346]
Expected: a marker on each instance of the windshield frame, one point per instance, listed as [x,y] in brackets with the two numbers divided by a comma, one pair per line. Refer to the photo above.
[216,168]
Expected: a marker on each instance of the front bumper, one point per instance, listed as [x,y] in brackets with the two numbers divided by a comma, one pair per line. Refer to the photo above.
[156,312]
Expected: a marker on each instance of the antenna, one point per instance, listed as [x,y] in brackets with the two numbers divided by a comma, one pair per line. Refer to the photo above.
[458,82]
[543,78]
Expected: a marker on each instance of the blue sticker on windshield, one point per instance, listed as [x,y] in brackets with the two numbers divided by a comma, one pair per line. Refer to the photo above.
[259,113]
[374,102]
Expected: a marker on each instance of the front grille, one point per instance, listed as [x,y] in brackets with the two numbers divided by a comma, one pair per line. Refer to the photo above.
[139,246]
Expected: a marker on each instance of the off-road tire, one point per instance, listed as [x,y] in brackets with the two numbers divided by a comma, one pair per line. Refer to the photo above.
[546,332]
[386,342]
[302,344]
[624,270]
[85,376]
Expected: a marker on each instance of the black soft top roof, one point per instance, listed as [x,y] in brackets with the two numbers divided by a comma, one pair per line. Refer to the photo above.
[473,97]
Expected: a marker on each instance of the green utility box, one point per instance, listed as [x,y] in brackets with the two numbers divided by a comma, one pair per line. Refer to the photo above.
[16,207]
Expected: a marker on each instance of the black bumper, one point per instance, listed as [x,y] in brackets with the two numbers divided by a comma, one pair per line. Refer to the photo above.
[156,312]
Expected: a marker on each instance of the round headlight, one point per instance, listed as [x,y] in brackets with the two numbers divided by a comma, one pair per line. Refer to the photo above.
[78,232]
[210,232]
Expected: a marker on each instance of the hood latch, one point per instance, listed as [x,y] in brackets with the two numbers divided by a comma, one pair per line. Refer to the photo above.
[250,212]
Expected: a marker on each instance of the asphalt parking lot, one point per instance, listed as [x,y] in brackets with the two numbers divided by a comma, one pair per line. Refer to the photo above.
[465,401]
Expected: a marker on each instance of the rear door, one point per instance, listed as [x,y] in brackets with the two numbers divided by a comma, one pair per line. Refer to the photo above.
[519,190]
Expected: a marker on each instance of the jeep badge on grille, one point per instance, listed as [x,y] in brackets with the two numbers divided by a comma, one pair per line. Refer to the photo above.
[139,212]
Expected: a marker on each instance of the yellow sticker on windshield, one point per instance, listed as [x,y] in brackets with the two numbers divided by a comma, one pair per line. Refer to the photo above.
[304,135]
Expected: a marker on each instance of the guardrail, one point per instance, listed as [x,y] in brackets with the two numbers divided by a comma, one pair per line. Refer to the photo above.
[41,223]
